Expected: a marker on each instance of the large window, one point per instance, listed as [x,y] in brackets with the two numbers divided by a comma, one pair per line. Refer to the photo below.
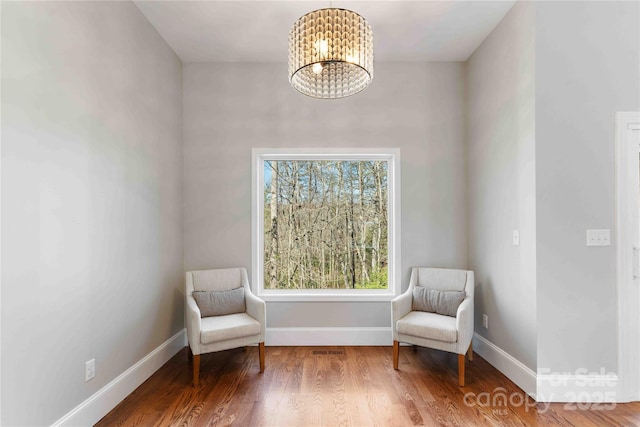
[325,224]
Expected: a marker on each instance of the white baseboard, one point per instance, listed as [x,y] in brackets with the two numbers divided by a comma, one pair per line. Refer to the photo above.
[108,397]
[511,367]
[577,388]
[328,336]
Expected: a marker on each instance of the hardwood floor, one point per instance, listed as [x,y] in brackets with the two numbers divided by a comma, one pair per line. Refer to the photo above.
[343,386]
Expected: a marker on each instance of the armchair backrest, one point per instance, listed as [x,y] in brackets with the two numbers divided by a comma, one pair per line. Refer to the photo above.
[443,279]
[222,279]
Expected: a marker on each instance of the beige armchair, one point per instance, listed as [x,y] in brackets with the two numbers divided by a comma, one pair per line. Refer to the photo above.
[452,334]
[223,332]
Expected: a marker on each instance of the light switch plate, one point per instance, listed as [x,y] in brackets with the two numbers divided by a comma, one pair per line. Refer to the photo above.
[599,237]
[516,238]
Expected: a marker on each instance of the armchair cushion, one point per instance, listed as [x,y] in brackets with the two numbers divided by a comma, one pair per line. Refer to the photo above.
[212,303]
[222,328]
[428,325]
[435,301]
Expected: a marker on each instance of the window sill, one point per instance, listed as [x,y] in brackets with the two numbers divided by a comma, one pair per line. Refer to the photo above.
[325,297]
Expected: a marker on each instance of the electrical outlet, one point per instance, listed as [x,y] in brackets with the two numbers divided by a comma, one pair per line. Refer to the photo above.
[89,369]
[485,321]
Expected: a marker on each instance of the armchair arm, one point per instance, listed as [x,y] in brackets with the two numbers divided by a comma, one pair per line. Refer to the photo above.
[257,309]
[193,324]
[464,324]
[400,307]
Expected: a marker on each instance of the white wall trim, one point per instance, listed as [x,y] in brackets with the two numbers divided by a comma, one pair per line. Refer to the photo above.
[392,156]
[577,388]
[328,336]
[626,238]
[0,231]
[108,397]
[511,367]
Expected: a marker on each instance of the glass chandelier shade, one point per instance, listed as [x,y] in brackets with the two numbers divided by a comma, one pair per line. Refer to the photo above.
[330,53]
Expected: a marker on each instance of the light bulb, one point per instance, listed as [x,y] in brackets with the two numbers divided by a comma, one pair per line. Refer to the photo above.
[322,46]
[317,68]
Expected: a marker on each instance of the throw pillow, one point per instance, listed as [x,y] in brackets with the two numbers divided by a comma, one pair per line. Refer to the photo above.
[435,301]
[219,303]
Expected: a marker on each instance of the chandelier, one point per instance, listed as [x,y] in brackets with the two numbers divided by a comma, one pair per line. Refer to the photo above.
[330,53]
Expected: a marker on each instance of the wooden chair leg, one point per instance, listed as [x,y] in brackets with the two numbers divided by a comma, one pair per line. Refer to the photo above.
[261,355]
[461,358]
[470,352]
[196,369]
[396,354]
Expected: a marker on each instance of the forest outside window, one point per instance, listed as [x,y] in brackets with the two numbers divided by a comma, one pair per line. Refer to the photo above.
[325,224]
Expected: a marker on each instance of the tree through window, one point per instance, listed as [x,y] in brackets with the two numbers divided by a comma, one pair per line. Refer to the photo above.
[325,224]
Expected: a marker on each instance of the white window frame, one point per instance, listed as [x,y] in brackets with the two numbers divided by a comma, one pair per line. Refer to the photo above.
[259,156]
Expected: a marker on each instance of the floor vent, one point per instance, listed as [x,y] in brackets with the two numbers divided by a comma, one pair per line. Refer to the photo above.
[318,352]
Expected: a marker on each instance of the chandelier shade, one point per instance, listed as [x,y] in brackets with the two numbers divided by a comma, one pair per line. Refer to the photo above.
[330,53]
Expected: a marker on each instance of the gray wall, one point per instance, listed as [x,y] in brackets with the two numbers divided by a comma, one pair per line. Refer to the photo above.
[91,200]
[230,108]
[93,180]
[587,68]
[501,185]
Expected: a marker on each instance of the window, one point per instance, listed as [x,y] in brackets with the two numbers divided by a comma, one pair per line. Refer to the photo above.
[325,224]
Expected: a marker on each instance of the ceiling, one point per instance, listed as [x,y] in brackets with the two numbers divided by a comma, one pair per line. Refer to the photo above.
[257,31]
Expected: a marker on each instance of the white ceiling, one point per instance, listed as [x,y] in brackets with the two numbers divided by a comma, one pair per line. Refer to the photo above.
[257,31]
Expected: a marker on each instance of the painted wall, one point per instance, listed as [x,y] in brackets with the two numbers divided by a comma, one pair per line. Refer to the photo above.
[231,108]
[91,200]
[583,77]
[501,184]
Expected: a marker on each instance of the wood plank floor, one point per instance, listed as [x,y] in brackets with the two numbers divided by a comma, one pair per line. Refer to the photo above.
[344,386]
